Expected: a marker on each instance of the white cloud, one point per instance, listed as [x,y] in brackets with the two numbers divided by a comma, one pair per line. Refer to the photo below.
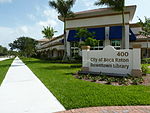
[50,17]
[50,13]
[88,4]
[47,12]
[8,35]
[48,22]
[24,29]
[31,17]
[5,1]
[43,17]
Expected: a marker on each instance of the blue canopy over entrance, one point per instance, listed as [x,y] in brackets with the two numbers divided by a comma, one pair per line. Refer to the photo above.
[132,35]
[115,32]
[71,36]
[99,34]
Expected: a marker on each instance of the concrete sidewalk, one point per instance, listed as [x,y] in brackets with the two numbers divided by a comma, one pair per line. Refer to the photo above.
[1,59]
[22,92]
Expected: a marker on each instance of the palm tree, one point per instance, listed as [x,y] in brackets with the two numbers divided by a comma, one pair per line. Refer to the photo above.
[63,7]
[117,5]
[48,32]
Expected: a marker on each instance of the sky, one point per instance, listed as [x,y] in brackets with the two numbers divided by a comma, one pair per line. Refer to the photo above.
[27,17]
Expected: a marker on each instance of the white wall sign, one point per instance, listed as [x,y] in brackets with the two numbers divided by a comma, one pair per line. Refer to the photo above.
[110,60]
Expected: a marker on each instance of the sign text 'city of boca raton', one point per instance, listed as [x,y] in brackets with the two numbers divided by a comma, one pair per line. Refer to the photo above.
[111,62]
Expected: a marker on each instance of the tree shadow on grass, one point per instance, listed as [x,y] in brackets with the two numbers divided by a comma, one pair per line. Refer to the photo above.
[16,65]
[5,65]
[35,62]
[59,67]
[56,68]
[69,73]
[28,61]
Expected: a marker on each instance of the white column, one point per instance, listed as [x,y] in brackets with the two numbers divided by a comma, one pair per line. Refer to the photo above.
[107,41]
[136,69]
[136,58]
[85,62]
[127,37]
[68,43]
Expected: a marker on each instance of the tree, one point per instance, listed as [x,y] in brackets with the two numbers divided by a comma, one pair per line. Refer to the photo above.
[25,45]
[88,37]
[63,7]
[116,5]
[48,32]
[145,30]
[12,53]
[3,51]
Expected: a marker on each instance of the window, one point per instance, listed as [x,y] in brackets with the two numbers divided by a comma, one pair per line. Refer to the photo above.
[74,49]
[116,43]
[100,45]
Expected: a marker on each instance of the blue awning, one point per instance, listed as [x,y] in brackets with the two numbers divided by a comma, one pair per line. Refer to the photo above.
[71,36]
[132,35]
[99,34]
[115,32]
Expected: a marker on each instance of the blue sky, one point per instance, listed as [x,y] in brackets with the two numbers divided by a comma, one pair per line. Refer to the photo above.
[27,17]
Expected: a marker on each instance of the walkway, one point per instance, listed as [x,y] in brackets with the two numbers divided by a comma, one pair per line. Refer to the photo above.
[22,92]
[112,109]
[1,59]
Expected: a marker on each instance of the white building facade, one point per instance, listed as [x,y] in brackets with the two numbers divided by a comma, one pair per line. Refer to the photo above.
[107,26]
[53,48]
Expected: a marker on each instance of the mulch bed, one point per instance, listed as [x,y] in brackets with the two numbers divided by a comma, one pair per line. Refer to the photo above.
[146,80]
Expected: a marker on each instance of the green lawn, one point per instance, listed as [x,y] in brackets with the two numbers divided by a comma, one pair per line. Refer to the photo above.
[145,66]
[4,66]
[75,93]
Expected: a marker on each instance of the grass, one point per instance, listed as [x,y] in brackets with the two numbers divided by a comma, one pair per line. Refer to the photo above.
[75,93]
[146,68]
[4,66]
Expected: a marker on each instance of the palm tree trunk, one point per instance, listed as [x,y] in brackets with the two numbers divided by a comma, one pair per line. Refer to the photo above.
[123,31]
[65,42]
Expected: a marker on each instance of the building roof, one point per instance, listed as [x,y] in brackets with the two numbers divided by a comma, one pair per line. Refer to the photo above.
[134,25]
[139,36]
[50,40]
[43,40]
[102,12]
[53,39]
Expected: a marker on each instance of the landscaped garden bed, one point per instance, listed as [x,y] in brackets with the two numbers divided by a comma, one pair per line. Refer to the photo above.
[117,81]
[77,93]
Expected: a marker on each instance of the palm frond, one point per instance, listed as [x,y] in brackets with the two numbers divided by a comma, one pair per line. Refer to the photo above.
[117,5]
[48,32]
[145,26]
[63,7]
[53,4]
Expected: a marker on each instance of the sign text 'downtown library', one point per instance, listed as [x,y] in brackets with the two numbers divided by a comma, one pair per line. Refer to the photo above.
[110,60]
